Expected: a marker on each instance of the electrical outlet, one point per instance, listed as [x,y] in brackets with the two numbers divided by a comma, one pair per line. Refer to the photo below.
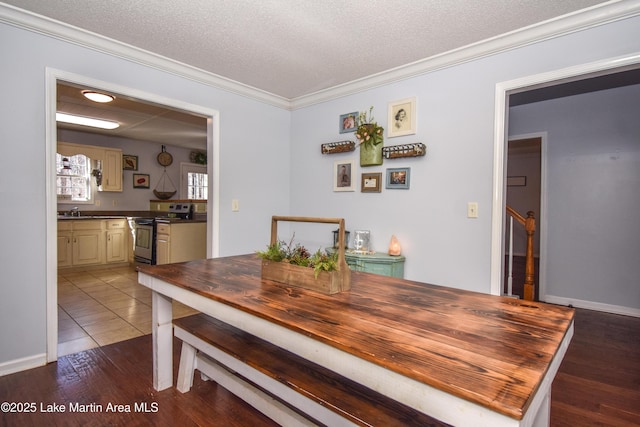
[235,205]
[115,203]
[472,210]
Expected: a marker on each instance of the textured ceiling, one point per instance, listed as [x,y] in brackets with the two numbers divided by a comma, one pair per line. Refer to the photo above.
[292,48]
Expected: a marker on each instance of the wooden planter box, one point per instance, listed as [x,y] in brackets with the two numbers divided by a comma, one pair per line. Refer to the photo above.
[328,282]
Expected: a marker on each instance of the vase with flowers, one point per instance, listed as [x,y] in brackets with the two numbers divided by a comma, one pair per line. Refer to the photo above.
[370,139]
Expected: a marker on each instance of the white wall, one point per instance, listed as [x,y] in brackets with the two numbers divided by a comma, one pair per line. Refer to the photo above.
[254,142]
[455,108]
[270,160]
[592,194]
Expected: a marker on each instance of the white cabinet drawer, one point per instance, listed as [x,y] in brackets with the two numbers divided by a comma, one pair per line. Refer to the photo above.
[164,229]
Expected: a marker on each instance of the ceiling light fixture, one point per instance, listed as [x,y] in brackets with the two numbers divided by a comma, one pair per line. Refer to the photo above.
[86,121]
[97,96]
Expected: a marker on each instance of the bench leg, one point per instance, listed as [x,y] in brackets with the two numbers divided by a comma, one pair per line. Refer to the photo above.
[186,368]
[264,403]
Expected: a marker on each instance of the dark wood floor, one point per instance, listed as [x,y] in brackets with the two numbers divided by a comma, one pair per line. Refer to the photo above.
[598,385]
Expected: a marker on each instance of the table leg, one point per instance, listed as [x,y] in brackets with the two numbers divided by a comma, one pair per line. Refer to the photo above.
[162,335]
[543,417]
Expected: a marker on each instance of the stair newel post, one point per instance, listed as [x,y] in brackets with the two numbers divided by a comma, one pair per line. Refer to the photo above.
[529,287]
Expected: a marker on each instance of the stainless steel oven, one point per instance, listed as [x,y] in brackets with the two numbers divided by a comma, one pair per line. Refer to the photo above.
[145,241]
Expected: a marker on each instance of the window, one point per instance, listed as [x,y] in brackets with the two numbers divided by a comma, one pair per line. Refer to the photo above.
[194,181]
[73,180]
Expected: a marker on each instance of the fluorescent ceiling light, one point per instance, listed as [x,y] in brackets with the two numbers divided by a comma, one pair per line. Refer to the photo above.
[97,96]
[86,121]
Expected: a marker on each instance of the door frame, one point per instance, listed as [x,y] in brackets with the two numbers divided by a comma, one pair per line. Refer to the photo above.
[501,139]
[213,171]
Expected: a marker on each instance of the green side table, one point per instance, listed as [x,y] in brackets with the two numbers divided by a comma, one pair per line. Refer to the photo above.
[376,263]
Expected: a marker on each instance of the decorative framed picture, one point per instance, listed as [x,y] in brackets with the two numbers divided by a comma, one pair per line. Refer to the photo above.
[516,181]
[348,122]
[141,180]
[371,183]
[398,178]
[343,173]
[402,117]
[129,162]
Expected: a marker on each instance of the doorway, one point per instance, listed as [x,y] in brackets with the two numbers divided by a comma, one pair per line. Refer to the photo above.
[212,144]
[526,169]
[532,87]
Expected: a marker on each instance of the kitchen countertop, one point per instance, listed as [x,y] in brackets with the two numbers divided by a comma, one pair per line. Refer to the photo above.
[87,217]
[179,220]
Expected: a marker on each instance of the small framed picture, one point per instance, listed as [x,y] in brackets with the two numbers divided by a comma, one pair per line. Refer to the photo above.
[516,181]
[129,162]
[140,180]
[371,183]
[343,173]
[348,122]
[398,178]
[402,118]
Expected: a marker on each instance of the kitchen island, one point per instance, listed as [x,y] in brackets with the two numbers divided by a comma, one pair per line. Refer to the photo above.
[462,357]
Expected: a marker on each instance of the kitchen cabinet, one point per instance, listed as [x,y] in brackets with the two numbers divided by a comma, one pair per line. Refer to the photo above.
[163,238]
[110,158]
[117,237]
[87,242]
[112,170]
[180,241]
[65,246]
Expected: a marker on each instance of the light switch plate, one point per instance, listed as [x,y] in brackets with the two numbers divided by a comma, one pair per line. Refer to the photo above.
[472,210]
[235,205]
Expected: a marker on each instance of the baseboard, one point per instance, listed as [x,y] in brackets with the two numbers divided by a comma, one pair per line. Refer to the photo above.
[23,364]
[590,305]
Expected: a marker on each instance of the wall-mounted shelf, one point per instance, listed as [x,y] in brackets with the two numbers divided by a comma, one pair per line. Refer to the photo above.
[338,147]
[416,149]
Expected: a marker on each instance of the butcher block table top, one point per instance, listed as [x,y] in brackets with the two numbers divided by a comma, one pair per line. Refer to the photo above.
[489,350]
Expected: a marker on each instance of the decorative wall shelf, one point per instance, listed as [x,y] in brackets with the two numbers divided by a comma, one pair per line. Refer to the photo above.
[338,147]
[416,149]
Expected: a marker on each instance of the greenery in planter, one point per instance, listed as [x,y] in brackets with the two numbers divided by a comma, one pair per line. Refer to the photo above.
[369,132]
[297,254]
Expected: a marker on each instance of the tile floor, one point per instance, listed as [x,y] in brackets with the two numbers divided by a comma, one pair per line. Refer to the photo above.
[98,307]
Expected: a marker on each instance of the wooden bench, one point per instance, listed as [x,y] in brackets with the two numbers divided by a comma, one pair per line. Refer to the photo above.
[288,388]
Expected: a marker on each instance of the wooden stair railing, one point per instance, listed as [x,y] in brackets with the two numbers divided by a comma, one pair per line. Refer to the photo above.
[529,224]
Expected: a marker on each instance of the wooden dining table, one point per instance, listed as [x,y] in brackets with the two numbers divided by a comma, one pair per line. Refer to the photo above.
[462,357]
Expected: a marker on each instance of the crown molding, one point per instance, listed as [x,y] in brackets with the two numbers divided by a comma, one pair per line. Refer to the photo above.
[587,18]
[52,28]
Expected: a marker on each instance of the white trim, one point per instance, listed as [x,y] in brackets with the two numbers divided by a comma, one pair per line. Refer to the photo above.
[556,27]
[590,305]
[51,205]
[213,169]
[580,20]
[500,125]
[22,364]
[50,27]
